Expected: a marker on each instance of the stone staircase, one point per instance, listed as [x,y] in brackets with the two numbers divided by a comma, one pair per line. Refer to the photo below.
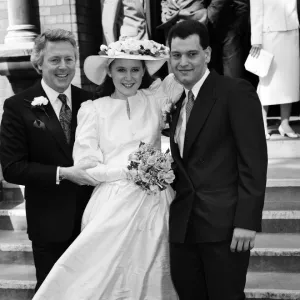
[17,272]
[274,270]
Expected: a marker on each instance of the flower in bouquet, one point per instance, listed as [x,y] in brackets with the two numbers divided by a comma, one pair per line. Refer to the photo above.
[150,168]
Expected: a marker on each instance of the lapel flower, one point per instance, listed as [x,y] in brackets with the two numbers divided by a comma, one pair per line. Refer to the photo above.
[39,103]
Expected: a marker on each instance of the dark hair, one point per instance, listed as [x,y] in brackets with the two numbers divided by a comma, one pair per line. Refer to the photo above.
[107,87]
[186,28]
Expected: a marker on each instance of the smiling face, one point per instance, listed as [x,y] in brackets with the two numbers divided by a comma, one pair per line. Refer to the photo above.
[127,75]
[58,66]
[188,60]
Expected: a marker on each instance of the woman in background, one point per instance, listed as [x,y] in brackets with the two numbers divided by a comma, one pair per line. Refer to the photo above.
[274,28]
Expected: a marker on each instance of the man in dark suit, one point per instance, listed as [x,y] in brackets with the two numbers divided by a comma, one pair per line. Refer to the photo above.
[37,136]
[220,154]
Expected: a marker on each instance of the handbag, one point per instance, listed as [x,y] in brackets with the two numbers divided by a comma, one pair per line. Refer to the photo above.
[259,65]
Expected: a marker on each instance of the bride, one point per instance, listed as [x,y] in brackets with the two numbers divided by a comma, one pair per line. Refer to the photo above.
[122,251]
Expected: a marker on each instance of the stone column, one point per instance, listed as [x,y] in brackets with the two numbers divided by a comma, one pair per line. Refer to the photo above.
[20,29]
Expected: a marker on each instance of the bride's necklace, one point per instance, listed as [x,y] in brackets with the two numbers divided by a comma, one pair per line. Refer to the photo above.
[113,95]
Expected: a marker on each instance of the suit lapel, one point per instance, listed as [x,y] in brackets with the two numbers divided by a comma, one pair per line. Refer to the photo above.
[50,120]
[203,105]
[76,102]
[174,118]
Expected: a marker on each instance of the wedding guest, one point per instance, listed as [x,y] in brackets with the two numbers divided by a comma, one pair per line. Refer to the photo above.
[220,162]
[123,249]
[37,136]
[124,18]
[275,28]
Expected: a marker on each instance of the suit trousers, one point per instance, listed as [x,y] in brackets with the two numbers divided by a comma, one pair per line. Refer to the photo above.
[45,255]
[208,271]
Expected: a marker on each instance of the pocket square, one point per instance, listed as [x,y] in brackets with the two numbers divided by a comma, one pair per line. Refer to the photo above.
[39,124]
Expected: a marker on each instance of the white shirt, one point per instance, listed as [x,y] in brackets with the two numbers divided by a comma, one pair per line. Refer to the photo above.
[56,104]
[181,125]
[52,96]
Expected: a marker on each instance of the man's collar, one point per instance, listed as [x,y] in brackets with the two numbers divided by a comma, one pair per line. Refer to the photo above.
[52,94]
[197,86]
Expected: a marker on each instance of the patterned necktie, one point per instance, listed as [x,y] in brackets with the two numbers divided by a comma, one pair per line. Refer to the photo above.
[65,117]
[189,105]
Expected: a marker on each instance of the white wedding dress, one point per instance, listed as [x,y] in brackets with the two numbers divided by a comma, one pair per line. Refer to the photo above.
[122,251]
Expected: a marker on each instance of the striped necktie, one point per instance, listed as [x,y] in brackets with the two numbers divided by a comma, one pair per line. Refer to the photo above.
[189,105]
[65,117]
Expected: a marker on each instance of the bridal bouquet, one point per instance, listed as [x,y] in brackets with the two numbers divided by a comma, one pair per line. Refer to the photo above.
[150,169]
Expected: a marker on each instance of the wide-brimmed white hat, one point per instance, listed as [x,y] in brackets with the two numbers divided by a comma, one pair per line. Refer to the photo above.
[154,55]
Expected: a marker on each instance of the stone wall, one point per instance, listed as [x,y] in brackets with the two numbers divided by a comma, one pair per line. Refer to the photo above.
[3,20]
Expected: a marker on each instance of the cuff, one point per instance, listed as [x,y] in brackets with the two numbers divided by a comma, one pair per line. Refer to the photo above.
[57,175]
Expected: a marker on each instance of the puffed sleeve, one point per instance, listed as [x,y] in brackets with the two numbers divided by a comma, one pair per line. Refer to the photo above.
[87,145]
[167,91]
[256,17]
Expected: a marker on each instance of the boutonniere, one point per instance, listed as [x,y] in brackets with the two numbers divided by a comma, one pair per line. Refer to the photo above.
[39,103]
[167,112]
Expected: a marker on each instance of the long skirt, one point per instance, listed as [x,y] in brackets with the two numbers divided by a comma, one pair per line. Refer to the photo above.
[281,85]
[122,251]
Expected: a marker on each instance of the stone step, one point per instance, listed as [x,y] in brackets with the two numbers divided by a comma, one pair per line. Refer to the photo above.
[281,221]
[269,286]
[12,192]
[276,253]
[283,147]
[283,184]
[18,282]
[272,252]
[15,248]
[283,172]
[12,216]
[282,198]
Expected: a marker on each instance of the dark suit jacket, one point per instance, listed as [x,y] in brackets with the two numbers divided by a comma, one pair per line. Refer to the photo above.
[32,146]
[220,181]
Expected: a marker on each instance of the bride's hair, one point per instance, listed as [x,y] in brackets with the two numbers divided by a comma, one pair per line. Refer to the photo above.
[107,87]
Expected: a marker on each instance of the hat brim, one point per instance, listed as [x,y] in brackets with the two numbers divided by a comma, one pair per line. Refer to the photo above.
[96,66]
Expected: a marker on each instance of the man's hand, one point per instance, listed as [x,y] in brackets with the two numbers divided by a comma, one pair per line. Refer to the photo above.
[255,50]
[242,240]
[78,174]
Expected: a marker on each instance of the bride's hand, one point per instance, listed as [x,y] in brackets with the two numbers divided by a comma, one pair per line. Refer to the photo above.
[255,50]
[78,174]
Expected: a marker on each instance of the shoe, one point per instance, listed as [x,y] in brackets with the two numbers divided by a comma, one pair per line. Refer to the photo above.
[291,135]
